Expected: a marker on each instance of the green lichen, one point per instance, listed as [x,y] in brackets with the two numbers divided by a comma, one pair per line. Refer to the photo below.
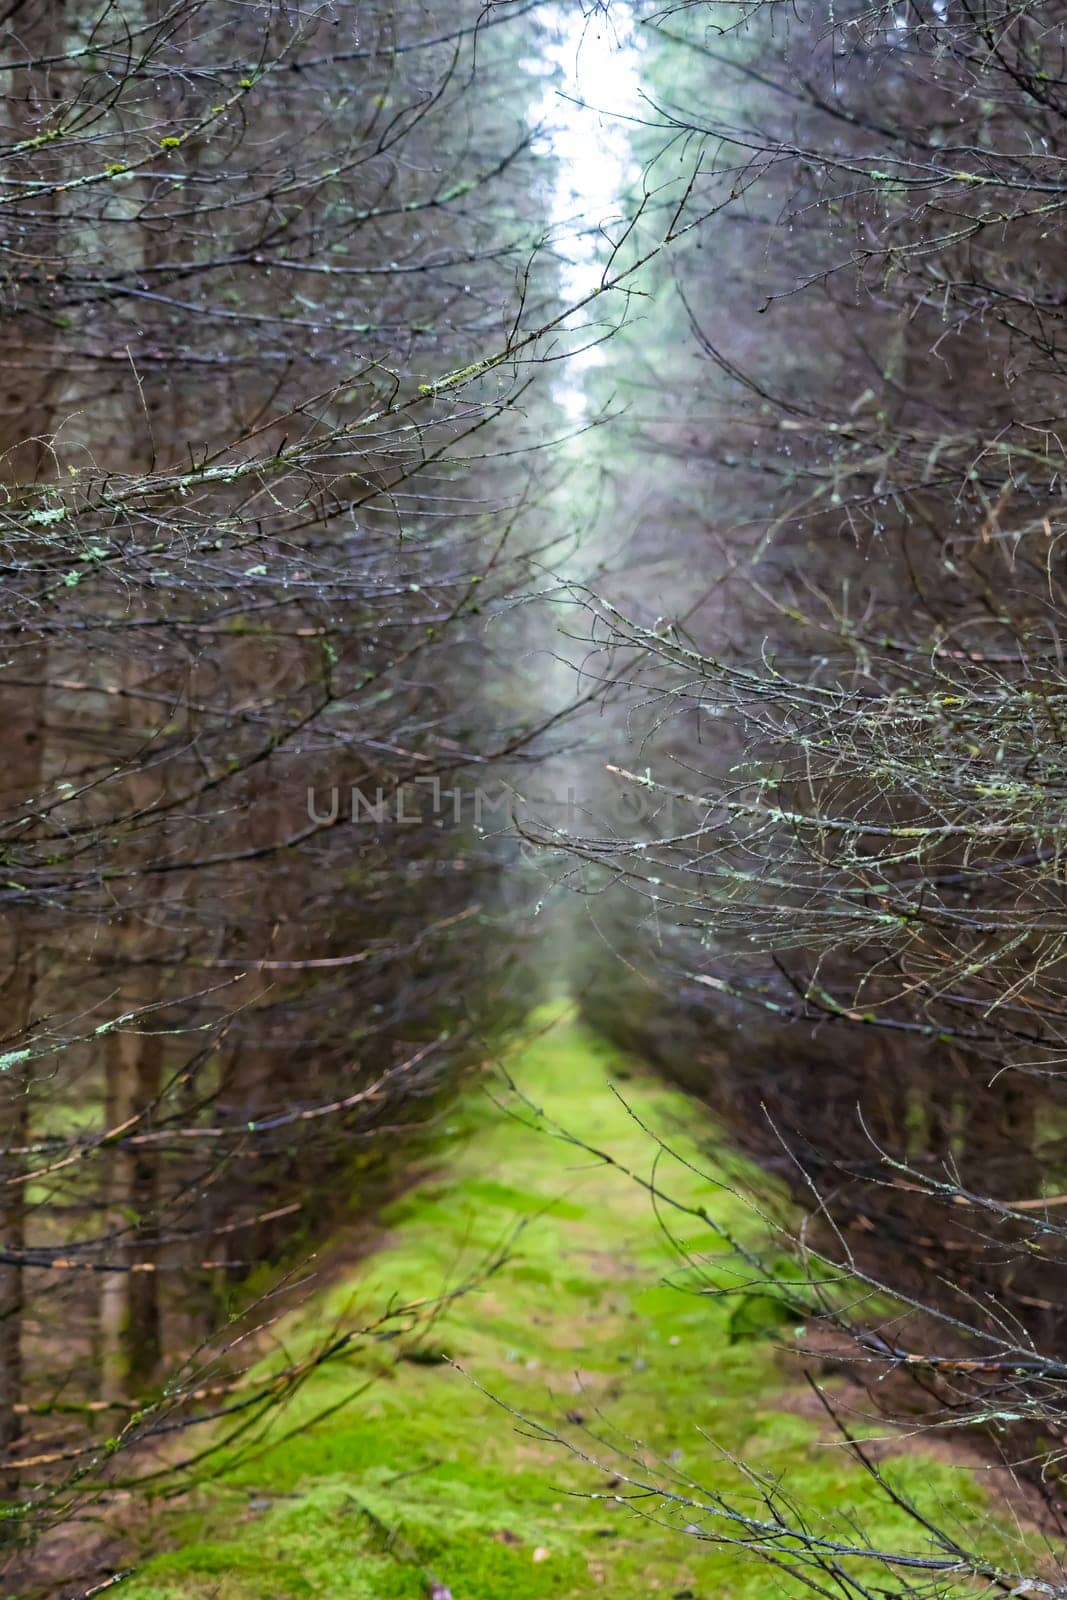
[378,1490]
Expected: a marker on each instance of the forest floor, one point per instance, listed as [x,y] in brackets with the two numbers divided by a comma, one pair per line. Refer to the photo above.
[398,1473]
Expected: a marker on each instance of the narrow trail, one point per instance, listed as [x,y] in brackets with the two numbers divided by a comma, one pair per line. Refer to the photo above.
[390,1478]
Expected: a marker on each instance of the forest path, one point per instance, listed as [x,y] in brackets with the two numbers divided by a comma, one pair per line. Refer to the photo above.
[389,1478]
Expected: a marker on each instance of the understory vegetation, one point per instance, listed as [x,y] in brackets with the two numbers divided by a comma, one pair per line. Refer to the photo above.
[505,1442]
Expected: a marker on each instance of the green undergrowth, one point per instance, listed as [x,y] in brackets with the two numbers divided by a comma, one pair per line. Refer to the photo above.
[408,1465]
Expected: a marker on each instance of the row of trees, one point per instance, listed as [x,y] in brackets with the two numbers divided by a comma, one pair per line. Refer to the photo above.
[268,287]
[849,768]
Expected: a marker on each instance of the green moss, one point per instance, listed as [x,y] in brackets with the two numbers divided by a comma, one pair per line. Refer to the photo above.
[423,1472]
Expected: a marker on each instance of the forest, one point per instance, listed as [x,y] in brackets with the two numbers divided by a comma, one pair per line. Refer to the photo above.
[533,898]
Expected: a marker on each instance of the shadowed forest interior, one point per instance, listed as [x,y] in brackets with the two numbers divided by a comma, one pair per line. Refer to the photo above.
[533,936]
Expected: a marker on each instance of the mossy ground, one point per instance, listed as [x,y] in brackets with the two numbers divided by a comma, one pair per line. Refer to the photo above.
[386,1477]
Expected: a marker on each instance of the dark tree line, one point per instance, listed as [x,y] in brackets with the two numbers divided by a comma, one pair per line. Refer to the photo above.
[269,284]
[850,777]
